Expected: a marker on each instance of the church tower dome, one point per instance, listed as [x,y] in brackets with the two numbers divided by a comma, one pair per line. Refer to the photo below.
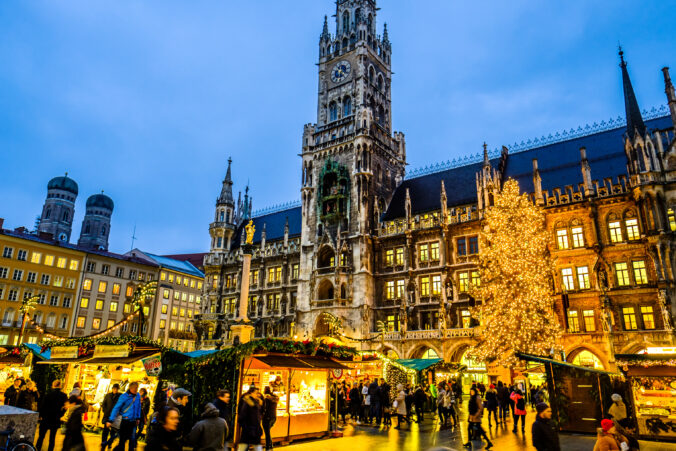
[59,207]
[96,223]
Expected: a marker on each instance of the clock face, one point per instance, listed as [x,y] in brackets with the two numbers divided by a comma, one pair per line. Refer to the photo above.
[340,71]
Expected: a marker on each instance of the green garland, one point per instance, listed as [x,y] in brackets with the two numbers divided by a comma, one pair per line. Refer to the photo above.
[89,343]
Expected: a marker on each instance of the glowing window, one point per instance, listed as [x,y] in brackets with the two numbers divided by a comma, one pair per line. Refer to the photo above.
[567,279]
[434,251]
[424,253]
[622,274]
[436,285]
[629,316]
[562,238]
[648,317]
[463,281]
[589,321]
[424,286]
[87,284]
[632,229]
[573,321]
[640,274]
[615,231]
[583,277]
[578,236]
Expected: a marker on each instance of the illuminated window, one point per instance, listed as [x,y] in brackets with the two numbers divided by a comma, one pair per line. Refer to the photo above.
[424,286]
[424,253]
[622,274]
[567,279]
[81,321]
[73,265]
[400,288]
[172,325]
[632,229]
[178,280]
[648,317]
[111,323]
[189,313]
[562,238]
[163,275]
[130,291]
[186,281]
[174,311]
[578,236]
[191,298]
[96,323]
[253,277]
[127,308]
[165,293]
[165,308]
[672,219]
[49,260]
[399,256]
[436,285]
[61,262]
[389,257]
[389,289]
[474,278]
[171,278]
[583,277]
[640,274]
[184,296]
[99,304]
[103,285]
[181,326]
[192,283]
[615,231]
[473,245]
[113,306]
[58,281]
[391,323]
[629,316]
[463,281]
[434,251]
[295,270]
[35,257]
[87,284]
[589,321]
[163,323]
[84,302]
[198,300]
[177,295]
[461,245]
[199,285]
[182,311]
[466,319]
[573,321]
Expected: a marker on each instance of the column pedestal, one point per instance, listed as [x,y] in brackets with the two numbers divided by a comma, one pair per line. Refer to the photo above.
[243,331]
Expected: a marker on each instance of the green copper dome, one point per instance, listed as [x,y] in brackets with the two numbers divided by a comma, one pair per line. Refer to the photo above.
[63,183]
[100,200]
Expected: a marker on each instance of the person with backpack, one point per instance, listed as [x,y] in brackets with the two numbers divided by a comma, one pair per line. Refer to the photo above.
[519,410]
[128,409]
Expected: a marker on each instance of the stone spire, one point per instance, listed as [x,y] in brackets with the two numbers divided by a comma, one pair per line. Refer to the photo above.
[487,161]
[325,36]
[635,124]
[226,191]
[671,94]
[586,173]
[537,183]
[386,36]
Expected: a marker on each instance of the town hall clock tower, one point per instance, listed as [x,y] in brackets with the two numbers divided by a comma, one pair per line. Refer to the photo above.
[352,163]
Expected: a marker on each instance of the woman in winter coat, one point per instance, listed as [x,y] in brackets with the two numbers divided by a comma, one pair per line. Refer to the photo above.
[74,441]
[250,417]
[475,409]
[618,410]
[163,434]
[608,438]
[441,395]
[270,401]
[209,433]
[449,407]
[401,406]
[519,409]
[29,397]
[492,404]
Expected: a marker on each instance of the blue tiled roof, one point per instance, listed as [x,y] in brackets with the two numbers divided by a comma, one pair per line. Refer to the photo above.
[558,163]
[274,225]
[177,265]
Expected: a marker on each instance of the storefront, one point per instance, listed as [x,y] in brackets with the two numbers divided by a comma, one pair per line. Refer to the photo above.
[652,377]
[302,384]
[14,363]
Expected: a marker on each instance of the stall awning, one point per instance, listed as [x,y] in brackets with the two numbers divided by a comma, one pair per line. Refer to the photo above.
[318,362]
[418,364]
[535,358]
[301,362]
[133,357]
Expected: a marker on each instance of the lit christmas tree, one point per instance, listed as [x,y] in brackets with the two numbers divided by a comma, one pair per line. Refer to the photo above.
[515,271]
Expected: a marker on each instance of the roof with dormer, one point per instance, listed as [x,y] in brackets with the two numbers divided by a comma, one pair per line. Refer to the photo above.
[274,224]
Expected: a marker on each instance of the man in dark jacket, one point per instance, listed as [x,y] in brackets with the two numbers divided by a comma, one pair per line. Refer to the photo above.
[222,403]
[419,399]
[209,433]
[270,401]
[545,437]
[179,400]
[107,405]
[355,402]
[129,407]
[503,401]
[249,418]
[374,394]
[51,410]
[12,393]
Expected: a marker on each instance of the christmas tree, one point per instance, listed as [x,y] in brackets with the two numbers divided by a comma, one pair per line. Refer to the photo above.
[515,270]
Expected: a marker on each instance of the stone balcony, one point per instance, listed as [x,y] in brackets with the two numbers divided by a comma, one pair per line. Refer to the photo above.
[431,334]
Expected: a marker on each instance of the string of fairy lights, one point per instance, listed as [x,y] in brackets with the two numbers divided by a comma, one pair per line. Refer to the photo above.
[103,333]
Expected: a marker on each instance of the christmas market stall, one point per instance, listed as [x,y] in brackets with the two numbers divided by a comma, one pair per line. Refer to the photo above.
[420,370]
[579,396]
[96,364]
[652,377]
[299,373]
[15,362]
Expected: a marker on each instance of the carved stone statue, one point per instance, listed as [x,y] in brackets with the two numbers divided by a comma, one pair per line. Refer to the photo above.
[667,319]
[250,229]
[603,278]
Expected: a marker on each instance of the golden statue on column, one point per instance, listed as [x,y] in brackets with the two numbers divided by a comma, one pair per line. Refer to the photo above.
[250,229]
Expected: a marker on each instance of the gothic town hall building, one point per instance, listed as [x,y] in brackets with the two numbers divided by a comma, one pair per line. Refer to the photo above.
[378,248]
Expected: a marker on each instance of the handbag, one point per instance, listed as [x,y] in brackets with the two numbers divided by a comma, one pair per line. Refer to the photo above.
[395,404]
[117,422]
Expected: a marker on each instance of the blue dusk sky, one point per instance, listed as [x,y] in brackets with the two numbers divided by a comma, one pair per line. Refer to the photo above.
[146,100]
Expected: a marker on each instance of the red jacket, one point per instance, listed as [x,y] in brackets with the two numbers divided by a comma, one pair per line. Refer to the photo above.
[515,397]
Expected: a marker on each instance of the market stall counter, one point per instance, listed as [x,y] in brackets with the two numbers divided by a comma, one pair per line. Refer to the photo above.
[653,386]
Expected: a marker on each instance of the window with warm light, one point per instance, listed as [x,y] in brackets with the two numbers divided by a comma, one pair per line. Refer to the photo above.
[629,316]
[130,291]
[463,281]
[165,293]
[434,251]
[170,278]
[424,253]
[562,238]
[400,288]
[61,262]
[399,256]
[567,279]
[96,323]
[182,311]
[583,277]
[474,278]
[99,304]
[84,302]
[127,308]
[163,323]
[295,271]
[36,257]
[113,306]
[589,321]
[184,297]
[578,236]
[74,264]
[615,230]
[466,319]
[389,257]
[632,229]
[640,273]
[163,275]
[174,311]
[672,219]
[87,285]
[573,321]
[253,278]
[165,308]
[424,286]
[648,317]
[622,274]
[111,323]
[436,285]
[389,289]
[391,323]
[49,260]
[58,281]
[81,321]
[103,286]
[199,285]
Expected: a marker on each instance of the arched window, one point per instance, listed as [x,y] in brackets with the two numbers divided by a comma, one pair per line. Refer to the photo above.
[221,216]
[344,44]
[8,317]
[103,231]
[64,322]
[369,23]
[48,213]
[372,74]
[227,215]
[343,291]
[327,257]
[346,21]
[347,106]
[381,115]
[333,111]
[430,354]
[37,317]
[381,82]
[588,359]
[325,291]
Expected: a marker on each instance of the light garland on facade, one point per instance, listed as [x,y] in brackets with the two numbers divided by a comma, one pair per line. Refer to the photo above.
[517,312]
[103,333]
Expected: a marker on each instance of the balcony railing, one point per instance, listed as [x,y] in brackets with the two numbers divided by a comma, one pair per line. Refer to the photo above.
[427,334]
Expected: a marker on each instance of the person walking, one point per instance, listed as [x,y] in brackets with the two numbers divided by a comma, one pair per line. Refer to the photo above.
[209,433]
[608,438]
[179,400]
[409,402]
[385,403]
[503,402]
[419,399]
[441,410]
[519,410]
[618,410]
[492,404]
[355,402]
[145,410]
[475,409]
[29,397]
[73,440]
[366,402]
[544,433]
[375,415]
[50,411]
[128,406]
[222,403]
[108,435]
[12,393]
[249,419]
[450,406]
[270,401]
[163,433]
[400,406]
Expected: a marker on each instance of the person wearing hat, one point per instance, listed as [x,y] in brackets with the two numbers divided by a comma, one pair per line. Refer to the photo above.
[618,410]
[608,439]
[545,436]
[179,400]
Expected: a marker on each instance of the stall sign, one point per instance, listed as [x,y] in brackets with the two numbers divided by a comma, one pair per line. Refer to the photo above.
[64,352]
[337,373]
[152,365]
[659,350]
[111,351]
